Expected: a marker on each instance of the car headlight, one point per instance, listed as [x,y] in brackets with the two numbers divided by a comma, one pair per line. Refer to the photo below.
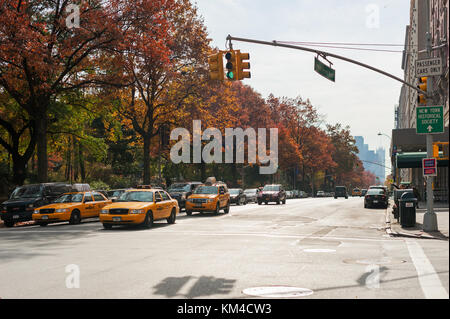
[30,206]
[209,200]
[36,211]
[136,211]
[61,210]
[189,200]
[104,211]
[183,197]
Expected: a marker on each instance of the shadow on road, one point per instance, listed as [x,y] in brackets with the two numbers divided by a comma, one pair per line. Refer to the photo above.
[203,286]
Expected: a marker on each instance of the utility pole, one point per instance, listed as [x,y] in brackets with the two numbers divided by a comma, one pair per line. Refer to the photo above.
[429,218]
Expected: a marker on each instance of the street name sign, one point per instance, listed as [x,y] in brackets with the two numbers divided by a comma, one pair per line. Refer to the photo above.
[428,67]
[429,166]
[429,119]
[324,70]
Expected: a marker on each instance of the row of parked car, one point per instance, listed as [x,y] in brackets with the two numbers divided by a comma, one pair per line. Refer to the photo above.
[56,202]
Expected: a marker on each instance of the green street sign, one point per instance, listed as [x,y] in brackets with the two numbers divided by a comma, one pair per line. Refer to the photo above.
[324,70]
[429,119]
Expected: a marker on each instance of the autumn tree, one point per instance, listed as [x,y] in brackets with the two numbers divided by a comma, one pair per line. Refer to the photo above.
[43,53]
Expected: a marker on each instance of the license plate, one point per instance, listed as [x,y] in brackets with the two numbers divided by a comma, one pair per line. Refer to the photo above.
[375,201]
[44,217]
[409,204]
[117,219]
[16,216]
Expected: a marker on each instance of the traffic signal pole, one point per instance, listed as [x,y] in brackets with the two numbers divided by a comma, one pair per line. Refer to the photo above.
[429,218]
[324,55]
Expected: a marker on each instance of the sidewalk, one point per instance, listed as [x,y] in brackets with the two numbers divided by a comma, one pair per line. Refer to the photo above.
[393,228]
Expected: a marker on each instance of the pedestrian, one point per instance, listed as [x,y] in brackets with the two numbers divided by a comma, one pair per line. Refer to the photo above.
[416,195]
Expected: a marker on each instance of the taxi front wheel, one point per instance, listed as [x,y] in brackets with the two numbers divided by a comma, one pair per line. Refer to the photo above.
[75,218]
[148,221]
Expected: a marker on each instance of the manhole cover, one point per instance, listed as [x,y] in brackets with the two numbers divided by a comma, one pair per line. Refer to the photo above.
[278,292]
[319,250]
[379,261]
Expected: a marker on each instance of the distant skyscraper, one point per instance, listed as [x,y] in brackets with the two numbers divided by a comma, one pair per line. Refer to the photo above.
[374,161]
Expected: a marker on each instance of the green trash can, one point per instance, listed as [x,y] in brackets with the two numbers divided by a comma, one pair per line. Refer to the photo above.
[407,213]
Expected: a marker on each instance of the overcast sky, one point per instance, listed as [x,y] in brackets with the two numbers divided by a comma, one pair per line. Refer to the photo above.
[363,99]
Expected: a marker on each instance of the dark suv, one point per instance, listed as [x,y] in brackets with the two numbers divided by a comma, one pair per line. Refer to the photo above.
[181,191]
[272,193]
[24,199]
[340,191]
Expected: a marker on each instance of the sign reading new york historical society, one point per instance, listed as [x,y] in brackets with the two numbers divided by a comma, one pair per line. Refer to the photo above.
[429,67]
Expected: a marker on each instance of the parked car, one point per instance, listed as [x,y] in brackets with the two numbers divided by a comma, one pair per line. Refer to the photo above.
[384,188]
[78,187]
[356,192]
[209,198]
[140,207]
[363,192]
[237,196]
[114,194]
[340,191]
[251,194]
[71,207]
[25,199]
[320,194]
[375,197]
[181,191]
[272,193]
[303,194]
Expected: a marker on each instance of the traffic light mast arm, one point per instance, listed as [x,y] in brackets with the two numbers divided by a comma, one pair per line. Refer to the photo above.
[323,53]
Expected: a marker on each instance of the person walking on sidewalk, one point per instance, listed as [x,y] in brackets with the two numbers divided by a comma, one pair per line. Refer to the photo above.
[416,195]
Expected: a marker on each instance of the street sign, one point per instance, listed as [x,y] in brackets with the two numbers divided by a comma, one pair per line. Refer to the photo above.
[429,166]
[324,70]
[429,119]
[428,67]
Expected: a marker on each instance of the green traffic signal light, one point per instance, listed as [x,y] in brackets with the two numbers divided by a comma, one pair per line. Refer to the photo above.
[230,65]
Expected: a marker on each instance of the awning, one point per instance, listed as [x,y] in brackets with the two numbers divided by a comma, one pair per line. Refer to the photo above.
[414,160]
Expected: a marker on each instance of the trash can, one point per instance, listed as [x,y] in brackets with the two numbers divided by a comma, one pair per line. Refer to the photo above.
[407,213]
[397,195]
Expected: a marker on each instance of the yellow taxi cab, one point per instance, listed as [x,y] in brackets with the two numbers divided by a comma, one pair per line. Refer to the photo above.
[140,207]
[71,207]
[209,198]
[356,192]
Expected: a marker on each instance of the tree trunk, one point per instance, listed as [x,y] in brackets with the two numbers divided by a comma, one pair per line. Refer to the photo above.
[146,174]
[81,162]
[41,140]
[19,170]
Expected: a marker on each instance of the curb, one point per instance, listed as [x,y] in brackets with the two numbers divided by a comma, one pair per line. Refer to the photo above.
[393,233]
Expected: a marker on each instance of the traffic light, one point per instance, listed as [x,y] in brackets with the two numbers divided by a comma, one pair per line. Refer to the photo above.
[231,65]
[421,98]
[435,150]
[242,66]
[216,66]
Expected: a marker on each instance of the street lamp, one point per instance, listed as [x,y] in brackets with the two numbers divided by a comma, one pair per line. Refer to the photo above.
[379,134]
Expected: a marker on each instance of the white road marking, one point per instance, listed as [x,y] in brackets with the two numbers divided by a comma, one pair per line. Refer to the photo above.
[428,278]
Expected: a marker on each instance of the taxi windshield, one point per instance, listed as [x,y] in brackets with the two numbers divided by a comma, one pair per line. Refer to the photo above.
[136,197]
[206,190]
[70,198]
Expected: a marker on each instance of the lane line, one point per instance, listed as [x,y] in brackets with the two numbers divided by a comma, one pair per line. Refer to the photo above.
[428,278]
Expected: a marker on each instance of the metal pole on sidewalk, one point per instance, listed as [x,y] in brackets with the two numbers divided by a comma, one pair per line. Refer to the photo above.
[429,218]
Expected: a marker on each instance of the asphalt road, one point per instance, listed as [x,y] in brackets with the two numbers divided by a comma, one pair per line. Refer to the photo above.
[332,248]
